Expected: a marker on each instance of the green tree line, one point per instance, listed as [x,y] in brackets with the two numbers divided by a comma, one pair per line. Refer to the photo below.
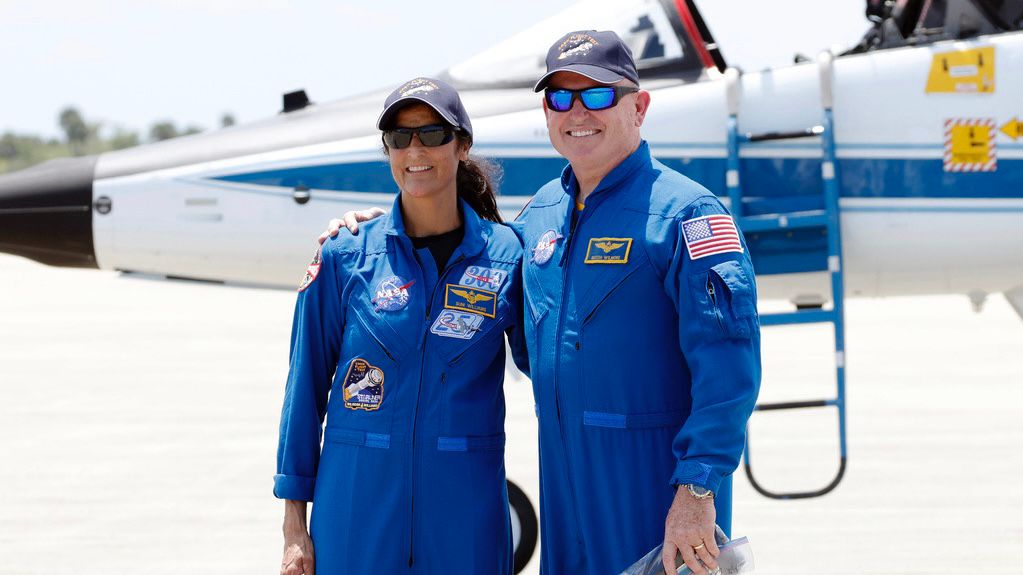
[83,138]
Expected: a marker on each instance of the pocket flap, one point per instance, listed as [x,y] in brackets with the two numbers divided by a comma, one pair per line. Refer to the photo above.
[734,278]
[358,437]
[632,420]
[471,443]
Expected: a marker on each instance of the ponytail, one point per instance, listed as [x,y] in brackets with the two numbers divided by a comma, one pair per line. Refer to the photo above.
[477,182]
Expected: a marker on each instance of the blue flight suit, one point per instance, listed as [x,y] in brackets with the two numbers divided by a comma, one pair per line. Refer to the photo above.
[645,361]
[408,368]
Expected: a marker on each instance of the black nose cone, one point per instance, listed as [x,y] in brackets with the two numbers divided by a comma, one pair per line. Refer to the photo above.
[46,212]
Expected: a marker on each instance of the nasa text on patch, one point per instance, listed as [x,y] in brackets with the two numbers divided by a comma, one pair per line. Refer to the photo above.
[480,277]
[608,251]
[392,294]
[364,386]
[462,298]
[457,324]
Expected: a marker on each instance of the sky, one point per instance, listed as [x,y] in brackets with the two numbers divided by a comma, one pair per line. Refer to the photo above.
[129,63]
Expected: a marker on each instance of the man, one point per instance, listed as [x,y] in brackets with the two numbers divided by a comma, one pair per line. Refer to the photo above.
[645,345]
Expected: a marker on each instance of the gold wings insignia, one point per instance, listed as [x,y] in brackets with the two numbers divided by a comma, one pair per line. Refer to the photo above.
[609,246]
[471,297]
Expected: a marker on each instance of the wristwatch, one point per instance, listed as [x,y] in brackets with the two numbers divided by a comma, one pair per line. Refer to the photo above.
[698,491]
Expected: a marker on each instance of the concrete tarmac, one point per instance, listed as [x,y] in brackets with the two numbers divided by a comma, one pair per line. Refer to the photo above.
[138,429]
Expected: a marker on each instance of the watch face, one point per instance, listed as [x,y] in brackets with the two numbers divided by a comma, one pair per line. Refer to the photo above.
[698,491]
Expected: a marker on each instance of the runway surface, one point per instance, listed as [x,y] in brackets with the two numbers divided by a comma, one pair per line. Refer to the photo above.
[138,428]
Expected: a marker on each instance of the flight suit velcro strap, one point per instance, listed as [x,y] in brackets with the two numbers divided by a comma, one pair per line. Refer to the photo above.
[358,438]
[688,471]
[471,443]
[632,420]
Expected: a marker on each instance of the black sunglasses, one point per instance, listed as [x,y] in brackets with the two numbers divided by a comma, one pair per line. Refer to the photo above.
[600,98]
[430,136]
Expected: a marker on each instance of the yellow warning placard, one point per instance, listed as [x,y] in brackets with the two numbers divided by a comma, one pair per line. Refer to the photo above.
[1013,128]
[970,145]
[969,71]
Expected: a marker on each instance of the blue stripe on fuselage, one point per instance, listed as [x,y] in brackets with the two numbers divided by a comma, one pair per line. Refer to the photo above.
[797,180]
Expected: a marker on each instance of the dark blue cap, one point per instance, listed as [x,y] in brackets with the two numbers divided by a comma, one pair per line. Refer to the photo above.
[436,94]
[599,55]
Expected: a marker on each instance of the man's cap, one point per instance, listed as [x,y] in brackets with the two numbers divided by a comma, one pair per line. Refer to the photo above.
[434,93]
[599,55]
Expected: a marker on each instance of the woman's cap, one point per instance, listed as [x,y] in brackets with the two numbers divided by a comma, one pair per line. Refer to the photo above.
[434,93]
[599,55]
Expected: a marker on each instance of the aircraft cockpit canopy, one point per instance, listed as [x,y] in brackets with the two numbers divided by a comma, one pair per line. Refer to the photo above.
[653,29]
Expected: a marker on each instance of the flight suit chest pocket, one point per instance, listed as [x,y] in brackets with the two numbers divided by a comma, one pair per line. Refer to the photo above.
[369,329]
[724,301]
[535,295]
[607,280]
[476,338]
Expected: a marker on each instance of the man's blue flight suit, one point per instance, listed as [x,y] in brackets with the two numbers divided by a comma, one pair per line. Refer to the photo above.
[645,360]
[408,368]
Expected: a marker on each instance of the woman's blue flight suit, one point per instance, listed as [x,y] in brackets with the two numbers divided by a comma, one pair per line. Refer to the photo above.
[408,368]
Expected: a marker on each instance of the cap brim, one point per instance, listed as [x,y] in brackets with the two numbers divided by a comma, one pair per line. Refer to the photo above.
[389,112]
[595,73]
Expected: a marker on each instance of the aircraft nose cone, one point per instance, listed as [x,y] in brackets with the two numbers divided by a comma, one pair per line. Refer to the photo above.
[46,212]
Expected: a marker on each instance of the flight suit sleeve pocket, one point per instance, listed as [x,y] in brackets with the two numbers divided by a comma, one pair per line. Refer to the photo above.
[725,302]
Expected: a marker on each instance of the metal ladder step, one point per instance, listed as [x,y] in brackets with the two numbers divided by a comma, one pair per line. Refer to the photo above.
[828,220]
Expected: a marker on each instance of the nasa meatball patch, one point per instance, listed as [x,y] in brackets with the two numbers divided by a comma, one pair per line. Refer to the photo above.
[544,248]
[311,271]
[364,386]
[392,294]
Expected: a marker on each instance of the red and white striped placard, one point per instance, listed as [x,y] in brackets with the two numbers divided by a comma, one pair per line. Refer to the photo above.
[985,160]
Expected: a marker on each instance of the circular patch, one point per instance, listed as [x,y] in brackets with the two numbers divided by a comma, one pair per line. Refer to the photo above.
[392,294]
[544,248]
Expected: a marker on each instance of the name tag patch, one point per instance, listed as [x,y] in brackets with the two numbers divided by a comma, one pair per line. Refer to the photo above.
[462,298]
[457,324]
[486,278]
[608,251]
[364,386]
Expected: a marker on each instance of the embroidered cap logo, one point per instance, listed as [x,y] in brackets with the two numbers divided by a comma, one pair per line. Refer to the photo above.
[417,86]
[577,45]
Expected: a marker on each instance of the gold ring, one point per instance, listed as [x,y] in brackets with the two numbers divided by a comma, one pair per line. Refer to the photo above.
[698,547]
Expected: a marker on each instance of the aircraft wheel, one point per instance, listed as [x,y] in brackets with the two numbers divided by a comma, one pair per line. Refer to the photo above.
[524,526]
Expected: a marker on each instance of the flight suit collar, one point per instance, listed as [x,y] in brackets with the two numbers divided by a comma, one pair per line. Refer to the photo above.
[614,178]
[476,234]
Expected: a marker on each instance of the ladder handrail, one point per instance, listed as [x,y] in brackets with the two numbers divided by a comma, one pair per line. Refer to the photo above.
[831,221]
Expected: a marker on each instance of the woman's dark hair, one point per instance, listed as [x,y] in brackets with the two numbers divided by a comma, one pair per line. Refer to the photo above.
[477,181]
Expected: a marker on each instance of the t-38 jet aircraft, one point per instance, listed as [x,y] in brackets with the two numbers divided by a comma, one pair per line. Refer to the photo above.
[892,168]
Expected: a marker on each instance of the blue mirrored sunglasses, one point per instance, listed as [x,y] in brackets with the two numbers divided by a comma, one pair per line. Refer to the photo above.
[600,98]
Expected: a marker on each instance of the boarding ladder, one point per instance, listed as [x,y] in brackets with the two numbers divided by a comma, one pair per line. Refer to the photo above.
[818,218]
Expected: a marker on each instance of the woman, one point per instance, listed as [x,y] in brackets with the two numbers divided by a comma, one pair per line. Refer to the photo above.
[397,341]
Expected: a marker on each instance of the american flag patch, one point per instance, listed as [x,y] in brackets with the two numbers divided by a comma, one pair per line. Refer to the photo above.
[711,235]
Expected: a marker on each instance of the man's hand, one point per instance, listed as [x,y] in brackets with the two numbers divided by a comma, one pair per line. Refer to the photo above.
[351,221]
[689,529]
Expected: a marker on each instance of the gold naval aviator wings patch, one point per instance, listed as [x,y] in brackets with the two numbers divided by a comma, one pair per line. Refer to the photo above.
[473,300]
[608,251]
